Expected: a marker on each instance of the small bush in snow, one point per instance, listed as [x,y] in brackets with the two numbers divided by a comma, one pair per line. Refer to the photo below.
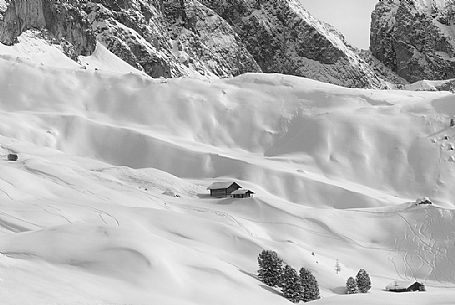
[270,268]
[351,286]
[363,281]
[310,285]
[291,287]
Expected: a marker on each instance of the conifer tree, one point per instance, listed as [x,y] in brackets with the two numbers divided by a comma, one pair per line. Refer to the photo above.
[351,286]
[270,268]
[291,287]
[363,281]
[310,285]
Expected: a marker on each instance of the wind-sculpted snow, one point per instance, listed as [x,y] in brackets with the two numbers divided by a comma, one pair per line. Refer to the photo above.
[247,127]
[107,203]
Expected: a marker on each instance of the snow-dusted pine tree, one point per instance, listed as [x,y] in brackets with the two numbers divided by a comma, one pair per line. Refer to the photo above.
[270,268]
[310,285]
[351,286]
[363,281]
[291,287]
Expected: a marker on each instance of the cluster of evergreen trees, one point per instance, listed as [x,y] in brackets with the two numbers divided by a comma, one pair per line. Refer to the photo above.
[361,283]
[295,286]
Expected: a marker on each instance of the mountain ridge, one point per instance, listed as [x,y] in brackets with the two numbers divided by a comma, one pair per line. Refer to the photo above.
[410,41]
[198,38]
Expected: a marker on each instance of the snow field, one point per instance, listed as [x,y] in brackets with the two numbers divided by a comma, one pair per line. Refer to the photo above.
[88,215]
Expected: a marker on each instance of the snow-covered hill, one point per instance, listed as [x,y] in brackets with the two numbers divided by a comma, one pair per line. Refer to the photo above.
[108,202]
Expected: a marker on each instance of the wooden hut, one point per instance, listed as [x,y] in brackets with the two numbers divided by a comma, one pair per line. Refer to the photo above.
[417,286]
[402,286]
[242,193]
[223,189]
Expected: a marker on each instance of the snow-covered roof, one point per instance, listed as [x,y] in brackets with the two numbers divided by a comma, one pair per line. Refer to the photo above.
[398,285]
[220,185]
[241,192]
[424,200]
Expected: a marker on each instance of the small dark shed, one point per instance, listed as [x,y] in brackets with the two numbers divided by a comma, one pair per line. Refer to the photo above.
[222,189]
[12,157]
[242,193]
[416,287]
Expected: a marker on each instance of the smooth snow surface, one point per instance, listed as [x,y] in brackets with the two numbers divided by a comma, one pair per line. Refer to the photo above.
[108,202]
[102,59]
[33,48]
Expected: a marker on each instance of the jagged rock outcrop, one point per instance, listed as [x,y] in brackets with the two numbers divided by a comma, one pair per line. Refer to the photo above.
[170,38]
[163,38]
[63,19]
[416,39]
[285,38]
[210,38]
[382,70]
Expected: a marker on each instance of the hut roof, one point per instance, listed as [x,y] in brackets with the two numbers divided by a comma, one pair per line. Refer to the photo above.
[241,192]
[398,285]
[221,185]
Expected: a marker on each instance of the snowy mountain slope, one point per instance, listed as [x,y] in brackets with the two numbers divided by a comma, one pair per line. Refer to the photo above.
[333,169]
[217,143]
[91,233]
[32,47]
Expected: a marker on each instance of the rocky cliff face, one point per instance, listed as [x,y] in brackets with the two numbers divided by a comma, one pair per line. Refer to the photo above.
[170,38]
[209,38]
[162,38]
[63,19]
[285,38]
[416,39]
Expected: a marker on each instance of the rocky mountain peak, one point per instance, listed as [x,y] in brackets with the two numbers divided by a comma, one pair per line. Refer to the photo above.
[64,20]
[416,39]
[162,38]
[283,37]
[205,38]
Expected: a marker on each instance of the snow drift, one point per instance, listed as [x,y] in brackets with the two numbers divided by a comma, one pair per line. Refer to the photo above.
[89,213]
